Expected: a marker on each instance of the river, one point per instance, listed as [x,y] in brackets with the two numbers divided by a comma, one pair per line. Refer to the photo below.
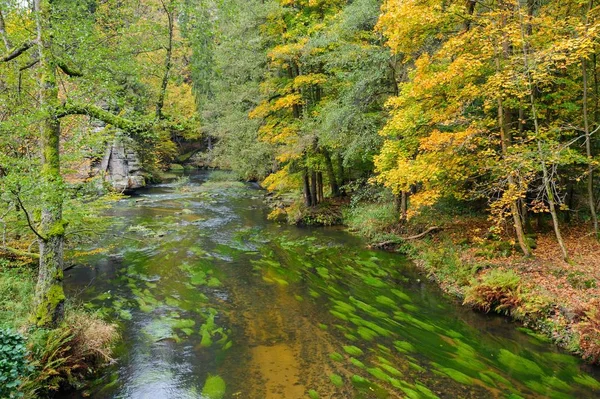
[215,301]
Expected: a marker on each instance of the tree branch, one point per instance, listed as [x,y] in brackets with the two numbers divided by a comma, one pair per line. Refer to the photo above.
[69,70]
[400,239]
[131,127]
[28,218]
[29,65]
[18,252]
[18,51]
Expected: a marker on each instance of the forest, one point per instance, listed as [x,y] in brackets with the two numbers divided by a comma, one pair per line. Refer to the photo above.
[460,136]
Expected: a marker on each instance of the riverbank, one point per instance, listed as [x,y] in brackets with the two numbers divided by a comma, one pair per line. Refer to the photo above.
[485,271]
[38,362]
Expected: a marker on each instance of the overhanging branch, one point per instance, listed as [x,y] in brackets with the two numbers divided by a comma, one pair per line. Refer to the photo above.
[128,126]
[18,51]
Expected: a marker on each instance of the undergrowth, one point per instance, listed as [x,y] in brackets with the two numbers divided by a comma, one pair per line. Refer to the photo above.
[55,358]
[589,332]
[498,290]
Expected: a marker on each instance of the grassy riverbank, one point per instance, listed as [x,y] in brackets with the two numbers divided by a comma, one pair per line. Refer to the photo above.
[486,271]
[45,360]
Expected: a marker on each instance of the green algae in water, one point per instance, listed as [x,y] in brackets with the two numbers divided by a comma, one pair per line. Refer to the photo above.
[312,394]
[353,350]
[378,373]
[357,363]
[336,357]
[374,282]
[323,272]
[404,346]
[384,300]
[213,282]
[366,334]
[401,295]
[587,381]
[214,387]
[519,364]
[125,314]
[393,371]
[456,375]
[339,315]
[416,367]
[426,391]
[336,380]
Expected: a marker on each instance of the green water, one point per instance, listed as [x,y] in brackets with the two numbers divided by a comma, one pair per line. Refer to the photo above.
[214,301]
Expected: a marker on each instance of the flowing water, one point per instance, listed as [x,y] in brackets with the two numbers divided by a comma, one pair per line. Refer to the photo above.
[214,301]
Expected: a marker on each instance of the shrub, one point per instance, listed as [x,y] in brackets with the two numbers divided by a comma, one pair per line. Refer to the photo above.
[498,290]
[66,355]
[13,362]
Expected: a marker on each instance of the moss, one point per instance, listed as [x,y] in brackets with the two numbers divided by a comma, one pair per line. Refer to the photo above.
[57,229]
[54,298]
[214,387]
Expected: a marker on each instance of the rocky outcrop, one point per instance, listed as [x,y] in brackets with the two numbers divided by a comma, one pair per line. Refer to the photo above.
[121,167]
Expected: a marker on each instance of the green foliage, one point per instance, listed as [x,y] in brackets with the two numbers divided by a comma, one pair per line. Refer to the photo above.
[13,363]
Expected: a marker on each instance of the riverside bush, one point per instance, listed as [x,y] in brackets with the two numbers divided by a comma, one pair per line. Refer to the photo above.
[498,290]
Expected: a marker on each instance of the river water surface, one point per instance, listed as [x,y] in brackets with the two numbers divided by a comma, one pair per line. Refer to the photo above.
[214,301]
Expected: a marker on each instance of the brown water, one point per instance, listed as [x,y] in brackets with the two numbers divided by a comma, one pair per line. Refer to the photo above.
[214,301]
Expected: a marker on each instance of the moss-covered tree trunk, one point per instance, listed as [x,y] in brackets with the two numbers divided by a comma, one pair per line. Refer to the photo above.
[49,295]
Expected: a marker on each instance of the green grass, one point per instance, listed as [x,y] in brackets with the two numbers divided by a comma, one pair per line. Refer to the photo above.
[16,296]
[371,220]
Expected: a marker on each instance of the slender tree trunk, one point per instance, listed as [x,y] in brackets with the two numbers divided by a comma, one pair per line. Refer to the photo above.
[545,173]
[307,193]
[505,141]
[49,295]
[168,62]
[401,203]
[588,145]
[313,188]
[335,188]
[342,173]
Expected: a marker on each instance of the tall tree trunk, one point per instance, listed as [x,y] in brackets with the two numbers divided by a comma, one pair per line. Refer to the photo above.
[335,188]
[545,173]
[307,193]
[169,10]
[320,197]
[49,295]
